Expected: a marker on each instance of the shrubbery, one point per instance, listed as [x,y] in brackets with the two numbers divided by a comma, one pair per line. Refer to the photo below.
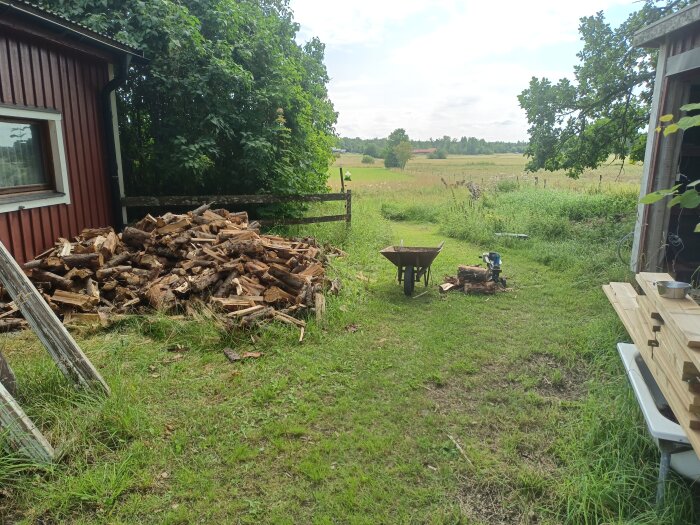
[229,102]
[438,154]
[565,227]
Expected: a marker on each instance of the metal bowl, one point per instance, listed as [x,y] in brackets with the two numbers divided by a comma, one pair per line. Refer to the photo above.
[673,289]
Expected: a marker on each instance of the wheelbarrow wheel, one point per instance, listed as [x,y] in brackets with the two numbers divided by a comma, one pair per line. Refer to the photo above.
[409,280]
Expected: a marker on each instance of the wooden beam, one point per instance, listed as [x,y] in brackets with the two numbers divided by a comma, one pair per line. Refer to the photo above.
[20,432]
[653,34]
[304,220]
[68,356]
[660,171]
[638,249]
[223,200]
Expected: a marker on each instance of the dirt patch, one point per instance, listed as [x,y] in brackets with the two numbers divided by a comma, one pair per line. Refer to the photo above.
[555,379]
[489,505]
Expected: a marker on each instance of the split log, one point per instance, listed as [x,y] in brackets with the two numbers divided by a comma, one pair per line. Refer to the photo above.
[446,287]
[236,303]
[224,288]
[105,273]
[79,273]
[488,288]
[473,274]
[117,260]
[160,296]
[56,280]
[135,237]
[293,281]
[110,245]
[82,301]
[92,289]
[320,306]
[84,260]
[201,209]
[277,295]
[10,325]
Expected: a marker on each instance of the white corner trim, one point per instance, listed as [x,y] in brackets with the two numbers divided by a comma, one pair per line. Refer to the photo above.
[117,143]
[58,157]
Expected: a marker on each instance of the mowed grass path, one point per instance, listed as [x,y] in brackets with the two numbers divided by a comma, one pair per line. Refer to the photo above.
[354,424]
[435,409]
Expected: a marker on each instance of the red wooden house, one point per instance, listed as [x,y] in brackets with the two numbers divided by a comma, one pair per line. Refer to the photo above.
[60,167]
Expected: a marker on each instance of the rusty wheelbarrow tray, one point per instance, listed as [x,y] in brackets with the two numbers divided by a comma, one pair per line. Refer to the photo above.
[413,263]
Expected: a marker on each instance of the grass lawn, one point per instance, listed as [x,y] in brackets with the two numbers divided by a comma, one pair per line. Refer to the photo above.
[507,409]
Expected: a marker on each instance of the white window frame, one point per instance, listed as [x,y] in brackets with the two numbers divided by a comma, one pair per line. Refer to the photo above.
[57,154]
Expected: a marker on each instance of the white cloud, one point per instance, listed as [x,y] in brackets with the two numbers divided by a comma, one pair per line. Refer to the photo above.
[441,67]
[357,22]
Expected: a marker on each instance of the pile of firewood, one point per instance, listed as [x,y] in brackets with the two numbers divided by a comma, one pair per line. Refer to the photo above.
[167,262]
[471,279]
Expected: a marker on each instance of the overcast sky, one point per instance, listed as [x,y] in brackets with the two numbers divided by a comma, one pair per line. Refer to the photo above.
[443,67]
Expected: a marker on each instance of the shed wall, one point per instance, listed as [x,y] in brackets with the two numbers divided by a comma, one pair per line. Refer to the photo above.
[661,158]
[38,74]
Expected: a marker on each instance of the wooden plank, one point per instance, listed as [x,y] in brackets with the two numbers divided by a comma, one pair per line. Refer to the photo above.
[653,34]
[681,315]
[634,324]
[223,200]
[686,360]
[68,356]
[20,432]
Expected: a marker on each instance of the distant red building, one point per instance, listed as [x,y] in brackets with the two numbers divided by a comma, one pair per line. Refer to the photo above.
[60,169]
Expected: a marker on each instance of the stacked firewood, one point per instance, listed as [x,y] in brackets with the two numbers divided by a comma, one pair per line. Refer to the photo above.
[470,280]
[168,262]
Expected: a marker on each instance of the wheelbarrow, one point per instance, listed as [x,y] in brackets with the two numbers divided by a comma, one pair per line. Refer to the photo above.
[413,263]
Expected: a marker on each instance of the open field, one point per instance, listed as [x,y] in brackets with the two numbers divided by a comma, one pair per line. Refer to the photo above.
[485,170]
[510,409]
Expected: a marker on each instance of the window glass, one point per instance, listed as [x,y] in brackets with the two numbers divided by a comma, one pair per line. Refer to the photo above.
[21,154]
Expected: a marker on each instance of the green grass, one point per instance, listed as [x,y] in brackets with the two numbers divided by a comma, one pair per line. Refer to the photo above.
[358,423]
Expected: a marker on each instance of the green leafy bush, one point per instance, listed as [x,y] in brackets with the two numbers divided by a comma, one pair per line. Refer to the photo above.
[505,186]
[411,212]
[438,154]
[228,102]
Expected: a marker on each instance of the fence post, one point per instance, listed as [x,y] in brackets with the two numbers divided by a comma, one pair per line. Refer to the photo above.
[342,181]
[348,207]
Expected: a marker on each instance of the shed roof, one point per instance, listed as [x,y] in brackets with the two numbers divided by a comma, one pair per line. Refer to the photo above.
[63,27]
[654,34]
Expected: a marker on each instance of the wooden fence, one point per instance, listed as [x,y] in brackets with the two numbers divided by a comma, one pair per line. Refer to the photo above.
[238,200]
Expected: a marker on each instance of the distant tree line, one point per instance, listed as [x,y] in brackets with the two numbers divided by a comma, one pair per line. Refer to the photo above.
[447,145]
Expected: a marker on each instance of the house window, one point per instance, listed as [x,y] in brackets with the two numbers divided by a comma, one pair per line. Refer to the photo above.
[32,159]
[22,156]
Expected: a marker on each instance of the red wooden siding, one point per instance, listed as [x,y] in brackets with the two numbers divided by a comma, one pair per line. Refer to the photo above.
[38,74]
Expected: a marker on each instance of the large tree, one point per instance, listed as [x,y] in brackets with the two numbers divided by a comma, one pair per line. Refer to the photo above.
[578,125]
[228,103]
[398,149]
